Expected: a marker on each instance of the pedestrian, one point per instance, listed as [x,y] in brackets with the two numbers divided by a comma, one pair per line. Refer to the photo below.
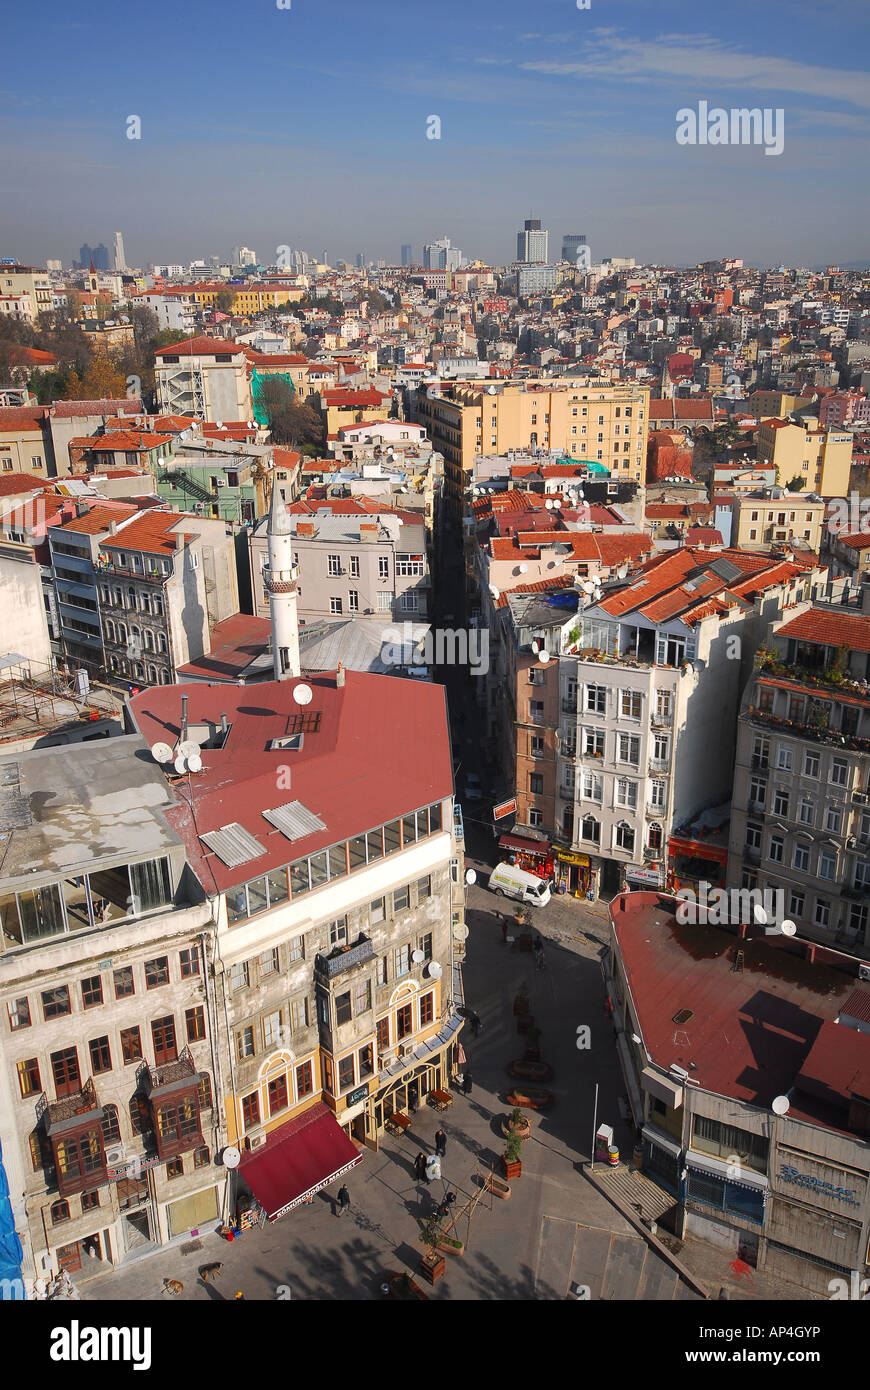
[475,1024]
[504,927]
[420,1167]
[444,1209]
[539,953]
[343,1200]
[413,1098]
[440,1143]
[466,1083]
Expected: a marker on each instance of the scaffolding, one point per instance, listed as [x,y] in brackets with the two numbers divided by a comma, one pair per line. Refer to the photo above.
[35,701]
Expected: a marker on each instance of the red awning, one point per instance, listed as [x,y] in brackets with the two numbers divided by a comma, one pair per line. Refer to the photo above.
[299,1159]
[524,846]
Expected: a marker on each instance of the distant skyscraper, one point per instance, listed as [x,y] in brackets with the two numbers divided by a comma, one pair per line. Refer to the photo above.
[570,244]
[85,255]
[407,254]
[120,259]
[360,259]
[440,255]
[100,257]
[533,241]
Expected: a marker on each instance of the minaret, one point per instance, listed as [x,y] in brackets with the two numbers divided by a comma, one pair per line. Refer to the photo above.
[280,579]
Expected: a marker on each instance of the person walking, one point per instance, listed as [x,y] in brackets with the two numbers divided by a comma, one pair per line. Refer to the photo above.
[504,927]
[343,1200]
[539,953]
[446,1205]
[420,1167]
[440,1143]
[466,1083]
[476,1024]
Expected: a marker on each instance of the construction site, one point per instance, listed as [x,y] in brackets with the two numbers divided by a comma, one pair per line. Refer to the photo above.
[44,707]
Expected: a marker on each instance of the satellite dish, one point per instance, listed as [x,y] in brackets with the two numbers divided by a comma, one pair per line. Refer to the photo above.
[188,749]
[220,424]
[434,969]
[180,764]
[194,763]
[788,928]
[232,1157]
[523,569]
[549,504]
[759,914]
[470,876]
[491,390]
[622,571]
[543,657]
[303,694]
[558,504]
[780,1105]
[496,593]
[417,957]
[581,493]
[461,932]
[162,753]
[535,648]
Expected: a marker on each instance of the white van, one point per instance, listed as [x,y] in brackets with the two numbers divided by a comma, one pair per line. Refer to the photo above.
[512,882]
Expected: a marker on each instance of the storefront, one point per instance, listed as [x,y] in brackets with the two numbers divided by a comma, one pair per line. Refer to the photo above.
[643,879]
[535,856]
[574,873]
[691,862]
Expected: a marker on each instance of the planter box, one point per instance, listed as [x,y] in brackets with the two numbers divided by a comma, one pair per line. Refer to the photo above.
[432,1269]
[531,1071]
[497,1187]
[451,1246]
[512,1170]
[525,1023]
[530,1098]
[523,1131]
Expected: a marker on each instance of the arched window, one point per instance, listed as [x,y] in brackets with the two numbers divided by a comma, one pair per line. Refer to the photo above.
[149,639]
[654,838]
[110,631]
[111,1125]
[163,647]
[59,1212]
[591,829]
[152,675]
[625,836]
[131,597]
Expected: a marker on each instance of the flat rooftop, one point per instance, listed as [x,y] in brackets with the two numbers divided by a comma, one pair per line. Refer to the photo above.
[748,1031]
[66,809]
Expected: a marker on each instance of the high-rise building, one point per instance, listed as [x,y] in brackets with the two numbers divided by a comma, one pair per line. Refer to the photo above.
[440,255]
[407,254]
[360,259]
[120,258]
[570,246]
[100,257]
[533,241]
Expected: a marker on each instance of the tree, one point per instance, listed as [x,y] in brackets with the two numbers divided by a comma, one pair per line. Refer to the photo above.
[102,380]
[223,301]
[166,337]
[289,421]
[145,325]
[73,389]
[796,484]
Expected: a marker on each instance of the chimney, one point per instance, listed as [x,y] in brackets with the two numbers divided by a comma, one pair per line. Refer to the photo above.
[223,724]
[113,528]
[305,528]
[368,531]
[182,735]
[339,677]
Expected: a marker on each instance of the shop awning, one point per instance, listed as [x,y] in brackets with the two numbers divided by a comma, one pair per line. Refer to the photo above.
[299,1159]
[524,846]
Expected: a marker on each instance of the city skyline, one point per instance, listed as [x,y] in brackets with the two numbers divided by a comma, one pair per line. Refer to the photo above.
[582,116]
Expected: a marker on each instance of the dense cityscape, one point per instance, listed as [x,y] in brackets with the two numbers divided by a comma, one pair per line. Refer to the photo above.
[434,769]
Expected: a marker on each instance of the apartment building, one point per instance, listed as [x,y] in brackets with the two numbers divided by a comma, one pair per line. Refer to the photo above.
[773,516]
[604,424]
[369,564]
[801,810]
[106,1049]
[337,880]
[633,702]
[204,377]
[821,458]
[768,1163]
[29,280]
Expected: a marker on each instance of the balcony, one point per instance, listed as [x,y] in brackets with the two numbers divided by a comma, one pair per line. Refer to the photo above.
[662,721]
[346,958]
[659,764]
[73,1128]
[168,1076]
[755,808]
[652,852]
[751,856]
[655,810]
[70,1111]
[816,732]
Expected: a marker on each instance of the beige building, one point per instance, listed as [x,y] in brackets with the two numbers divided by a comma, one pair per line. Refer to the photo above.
[823,458]
[772,515]
[23,447]
[604,424]
[206,378]
[30,280]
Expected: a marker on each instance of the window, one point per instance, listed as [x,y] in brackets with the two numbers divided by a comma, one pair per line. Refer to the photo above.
[383,567]
[195,1023]
[157,972]
[822,915]
[410,602]
[427,1009]
[304,1080]
[92,991]
[801,858]
[346,1073]
[833,819]
[404,1021]
[628,749]
[784,757]
[239,976]
[536,745]
[722,1140]
[661,748]
[593,743]
[780,802]
[795,903]
[775,849]
[272,1029]
[839,772]
[131,1045]
[625,837]
[377,912]
[29,1083]
[19,1013]
[806,810]
[65,1071]
[245,1045]
[335,605]
[596,699]
[401,960]
[163,1038]
[333,565]
[201,1157]
[268,962]
[381,970]
[353,600]
[101,1059]
[535,816]
[278,1096]
[59,1213]
[354,567]
[536,711]
[56,1002]
[343,1013]
[90,1200]
[297,949]
[382,1033]
[626,793]
[189,960]
[401,899]
[385,601]
[827,864]
[299,1013]
[630,704]
[424,944]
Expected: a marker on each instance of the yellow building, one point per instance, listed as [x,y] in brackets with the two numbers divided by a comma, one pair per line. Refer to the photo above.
[251,298]
[823,458]
[760,520]
[353,407]
[580,418]
[22,442]
[28,279]
[773,405]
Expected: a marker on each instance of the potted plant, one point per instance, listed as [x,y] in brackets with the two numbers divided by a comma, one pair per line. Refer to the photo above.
[433,1264]
[511,1157]
[517,1123]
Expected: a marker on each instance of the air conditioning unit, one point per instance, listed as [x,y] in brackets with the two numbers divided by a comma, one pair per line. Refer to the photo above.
[220,482]
[256,1140]
[406,1050]
[116,1155]
[864,972]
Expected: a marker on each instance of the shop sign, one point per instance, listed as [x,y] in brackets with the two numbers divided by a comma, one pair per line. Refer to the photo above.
[357,1095]
[652,876]
[567,856]
[824,1189]
[504,808]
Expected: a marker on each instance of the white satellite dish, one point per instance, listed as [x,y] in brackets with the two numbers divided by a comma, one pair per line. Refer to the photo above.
[303,694]
[523,569]
[434,969]
[461,932]
[194,763]
[535,648]
[543,657]
[491,390]
[588,587]
[496,593]
[180,765]
[220,424]
[417,957]
[780,1105]
[622,571]
[162,753]
[759,914]
[581,493]
[788,928]
[232,1157]
[558,504]
[549,504]
[188,749]
[470,876]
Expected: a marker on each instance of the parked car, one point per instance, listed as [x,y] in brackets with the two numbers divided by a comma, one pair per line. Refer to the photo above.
[511,882]
[473,787]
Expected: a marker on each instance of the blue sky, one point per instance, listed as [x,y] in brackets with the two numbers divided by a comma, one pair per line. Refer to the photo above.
[307,127]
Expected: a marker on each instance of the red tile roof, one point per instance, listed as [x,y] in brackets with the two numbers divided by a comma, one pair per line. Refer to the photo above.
[151,532]
[857,540]
[234,644]
[99,518]
[354,400]
[14,418]
[12,483]
[704,535]
[70,410]
[832,629]
[201,347]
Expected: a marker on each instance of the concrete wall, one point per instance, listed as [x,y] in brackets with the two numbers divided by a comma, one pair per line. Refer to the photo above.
[23,622]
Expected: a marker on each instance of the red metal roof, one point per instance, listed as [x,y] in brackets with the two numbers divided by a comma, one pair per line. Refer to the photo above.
[832,629]
[299,1159]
